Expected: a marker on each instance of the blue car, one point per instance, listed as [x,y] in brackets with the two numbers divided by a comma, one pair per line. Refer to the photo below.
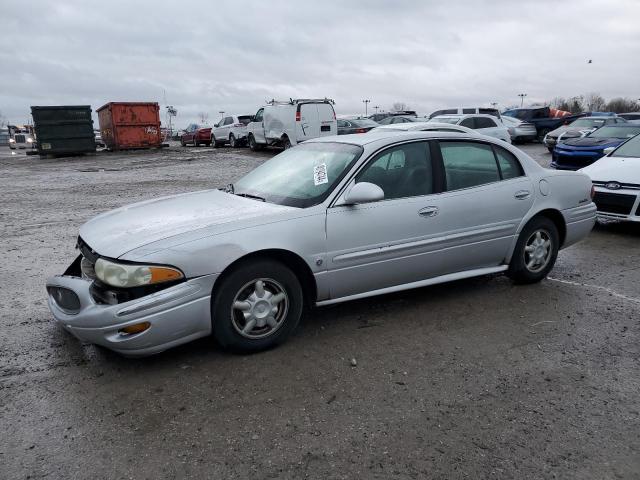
[576,153]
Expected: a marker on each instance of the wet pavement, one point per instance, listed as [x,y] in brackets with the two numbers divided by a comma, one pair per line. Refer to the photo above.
[473,379]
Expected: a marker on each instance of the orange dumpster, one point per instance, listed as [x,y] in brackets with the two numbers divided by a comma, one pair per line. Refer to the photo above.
[128,125]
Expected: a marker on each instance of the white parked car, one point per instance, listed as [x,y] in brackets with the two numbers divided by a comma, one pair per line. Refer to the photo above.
[616,179]
[290,122]
[231,130]
[424,127]
[484,124]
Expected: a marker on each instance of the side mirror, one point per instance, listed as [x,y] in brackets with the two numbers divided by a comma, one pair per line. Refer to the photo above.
[608,150]
[363,192]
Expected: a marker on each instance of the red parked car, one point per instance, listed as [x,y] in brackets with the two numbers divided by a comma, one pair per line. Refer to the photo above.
[196,135]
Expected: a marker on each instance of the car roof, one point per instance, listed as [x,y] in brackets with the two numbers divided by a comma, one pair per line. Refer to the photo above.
[465,115]
[383,137]
[420,125]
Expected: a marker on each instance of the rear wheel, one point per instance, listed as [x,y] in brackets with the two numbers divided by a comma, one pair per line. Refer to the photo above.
[536,251]
[232,141]
[256,306]
[286,143]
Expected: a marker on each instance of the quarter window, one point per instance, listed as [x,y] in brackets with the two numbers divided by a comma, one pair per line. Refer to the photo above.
[468,122]
[401,171]
[509,165]
[468,164]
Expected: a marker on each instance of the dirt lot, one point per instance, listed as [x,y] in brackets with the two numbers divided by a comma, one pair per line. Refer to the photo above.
[475,379]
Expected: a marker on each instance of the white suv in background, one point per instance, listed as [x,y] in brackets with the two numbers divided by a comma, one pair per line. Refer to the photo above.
[231,130]
[290,122]
[483,124]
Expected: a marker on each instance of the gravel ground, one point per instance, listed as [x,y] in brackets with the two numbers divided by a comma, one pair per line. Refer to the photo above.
[473,379]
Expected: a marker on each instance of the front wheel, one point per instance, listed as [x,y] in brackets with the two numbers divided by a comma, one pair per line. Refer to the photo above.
[536,251]
[182,143]
[253,145]
[256,306]
[543,133]
[214,142]
[196,143]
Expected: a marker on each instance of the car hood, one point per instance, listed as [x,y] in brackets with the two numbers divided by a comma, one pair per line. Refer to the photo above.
[619,169]
[114,233]
[565,130]
[593,142]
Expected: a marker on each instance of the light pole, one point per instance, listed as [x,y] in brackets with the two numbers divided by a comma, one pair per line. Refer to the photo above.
[494,104]
[376,107]
[522,95]
[366,104]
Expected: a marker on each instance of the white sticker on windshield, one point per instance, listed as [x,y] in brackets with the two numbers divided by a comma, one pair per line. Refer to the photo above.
[320,174]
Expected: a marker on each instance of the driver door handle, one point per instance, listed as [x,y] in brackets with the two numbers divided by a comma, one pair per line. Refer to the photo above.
[522,194]
[428,211]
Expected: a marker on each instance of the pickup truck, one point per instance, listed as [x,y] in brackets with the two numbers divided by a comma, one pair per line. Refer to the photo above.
[544,119]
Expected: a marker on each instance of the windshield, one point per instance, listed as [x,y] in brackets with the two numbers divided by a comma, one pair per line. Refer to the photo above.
[452,120]
[364,122]
[615,132]
[630,148]
[588,122]
[301,176]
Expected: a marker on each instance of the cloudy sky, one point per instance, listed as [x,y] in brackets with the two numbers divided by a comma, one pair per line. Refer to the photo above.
[208,56]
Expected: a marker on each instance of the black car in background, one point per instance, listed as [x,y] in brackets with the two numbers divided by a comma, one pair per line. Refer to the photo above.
[377,117]
[401,119]
[347,126]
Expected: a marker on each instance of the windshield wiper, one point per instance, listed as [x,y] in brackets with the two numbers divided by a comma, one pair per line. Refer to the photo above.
[228,189]
[248,195]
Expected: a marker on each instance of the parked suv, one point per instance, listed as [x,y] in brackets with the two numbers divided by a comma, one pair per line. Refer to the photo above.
[197,135]
[290,122]
[484,124]
[466,111]
[231,130]
[377,117]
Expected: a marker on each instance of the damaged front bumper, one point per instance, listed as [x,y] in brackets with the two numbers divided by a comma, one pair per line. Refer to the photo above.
[175,315]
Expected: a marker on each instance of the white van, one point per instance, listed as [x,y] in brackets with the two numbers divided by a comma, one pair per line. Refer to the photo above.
[290,122]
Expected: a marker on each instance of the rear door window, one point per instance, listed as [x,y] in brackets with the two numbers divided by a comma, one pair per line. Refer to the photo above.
[468,122]
[483,122]
[468,164]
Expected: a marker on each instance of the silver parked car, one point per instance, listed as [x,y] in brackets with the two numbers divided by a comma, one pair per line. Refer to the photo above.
[332,219]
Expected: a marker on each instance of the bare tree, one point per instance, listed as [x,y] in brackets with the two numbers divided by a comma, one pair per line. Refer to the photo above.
[3,120]
[623,105]
[204,117]
[595,102]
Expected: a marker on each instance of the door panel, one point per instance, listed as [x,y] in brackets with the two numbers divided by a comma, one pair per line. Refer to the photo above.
[309,124]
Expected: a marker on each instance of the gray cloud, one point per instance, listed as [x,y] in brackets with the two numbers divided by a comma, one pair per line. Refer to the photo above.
[232,56]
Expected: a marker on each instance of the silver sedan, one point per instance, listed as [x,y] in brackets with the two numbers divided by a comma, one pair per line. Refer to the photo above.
[330,220]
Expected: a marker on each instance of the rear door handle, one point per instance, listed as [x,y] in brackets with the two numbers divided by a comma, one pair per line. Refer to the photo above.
[522,194]
[428,211]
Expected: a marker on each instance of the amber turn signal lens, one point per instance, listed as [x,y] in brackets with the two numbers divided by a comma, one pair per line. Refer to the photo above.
[163,274]
[136,328]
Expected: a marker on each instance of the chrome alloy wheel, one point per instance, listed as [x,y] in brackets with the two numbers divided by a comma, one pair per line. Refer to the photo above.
[537,251]
[259,308]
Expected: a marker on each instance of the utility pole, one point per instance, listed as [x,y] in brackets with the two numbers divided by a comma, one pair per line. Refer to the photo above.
[522,95]
[366,104]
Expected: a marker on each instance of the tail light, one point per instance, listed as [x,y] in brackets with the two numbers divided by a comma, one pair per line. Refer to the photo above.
[593,192]
[298,116]
[361,130]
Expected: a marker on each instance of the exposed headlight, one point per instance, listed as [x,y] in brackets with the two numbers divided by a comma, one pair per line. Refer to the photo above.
[29,140]
[11,140]
[123,275]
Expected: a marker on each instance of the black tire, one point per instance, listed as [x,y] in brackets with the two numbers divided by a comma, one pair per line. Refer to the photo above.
[542,133]
[182,143]
[196,143]
[253,145]
[550,149]
[286,143]
[518,270]
[227,320]
[214,142]
[208,144]
[232,141]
